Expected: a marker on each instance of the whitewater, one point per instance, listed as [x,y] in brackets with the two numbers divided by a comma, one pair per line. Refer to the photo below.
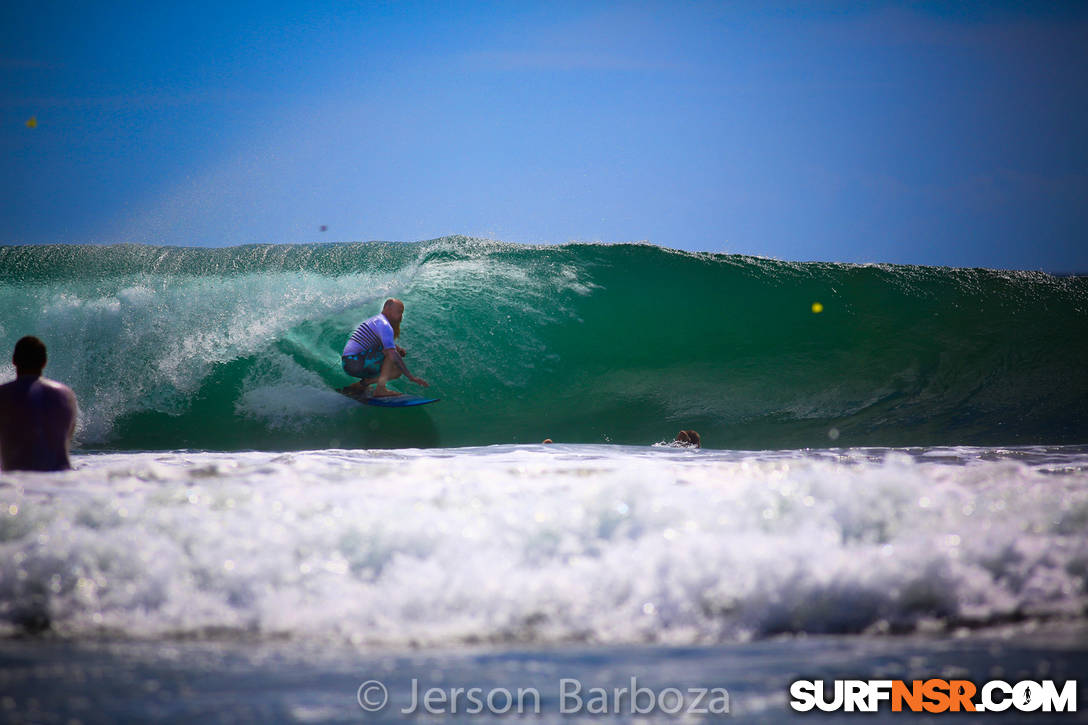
[893,483]
[269,586]
[545,544]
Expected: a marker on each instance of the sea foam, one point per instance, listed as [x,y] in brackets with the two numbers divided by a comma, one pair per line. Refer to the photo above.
[543,544]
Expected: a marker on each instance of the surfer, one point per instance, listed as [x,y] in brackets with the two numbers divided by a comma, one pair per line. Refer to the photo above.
[37,415]
[372,354]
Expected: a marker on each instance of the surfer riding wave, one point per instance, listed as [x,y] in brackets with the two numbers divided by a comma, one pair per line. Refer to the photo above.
[372,354]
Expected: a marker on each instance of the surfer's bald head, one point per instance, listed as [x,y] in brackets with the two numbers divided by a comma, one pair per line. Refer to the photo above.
[393,309]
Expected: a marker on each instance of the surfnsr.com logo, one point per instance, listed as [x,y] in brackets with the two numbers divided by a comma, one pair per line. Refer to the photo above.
[933,696]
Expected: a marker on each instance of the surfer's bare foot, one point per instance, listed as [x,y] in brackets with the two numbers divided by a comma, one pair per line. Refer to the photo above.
[359,387]
[382,392]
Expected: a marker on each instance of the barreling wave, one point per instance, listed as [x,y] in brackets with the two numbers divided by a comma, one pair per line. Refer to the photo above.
[238,348]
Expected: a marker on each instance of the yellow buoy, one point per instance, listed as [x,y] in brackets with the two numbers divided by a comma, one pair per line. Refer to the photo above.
[817,308]
[32,122]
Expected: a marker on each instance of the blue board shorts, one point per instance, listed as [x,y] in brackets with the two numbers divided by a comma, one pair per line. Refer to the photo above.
[364,365]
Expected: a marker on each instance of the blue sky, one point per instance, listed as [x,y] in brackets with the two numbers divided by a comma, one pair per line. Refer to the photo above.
[928,133]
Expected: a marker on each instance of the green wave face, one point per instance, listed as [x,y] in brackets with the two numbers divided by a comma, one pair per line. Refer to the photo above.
[239,348]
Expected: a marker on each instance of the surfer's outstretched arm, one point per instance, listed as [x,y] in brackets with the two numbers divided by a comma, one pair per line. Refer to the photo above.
[398,360]
[392,368]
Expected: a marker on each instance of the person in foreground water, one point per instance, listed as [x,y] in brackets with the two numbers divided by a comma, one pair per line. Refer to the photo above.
[372,354]
[37,415]
[689,439]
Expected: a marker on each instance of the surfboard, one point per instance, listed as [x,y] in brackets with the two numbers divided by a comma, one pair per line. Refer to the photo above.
[392,401]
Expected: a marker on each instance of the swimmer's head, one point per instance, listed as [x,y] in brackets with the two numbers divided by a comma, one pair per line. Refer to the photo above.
[689,438]
[29,356]
[393,309]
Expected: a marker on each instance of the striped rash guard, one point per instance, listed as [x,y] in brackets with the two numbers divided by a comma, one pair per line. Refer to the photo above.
[374,334]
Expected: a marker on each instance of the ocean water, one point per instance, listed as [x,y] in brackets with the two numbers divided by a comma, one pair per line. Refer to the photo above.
[229,349]
[894,487]
[260,585]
